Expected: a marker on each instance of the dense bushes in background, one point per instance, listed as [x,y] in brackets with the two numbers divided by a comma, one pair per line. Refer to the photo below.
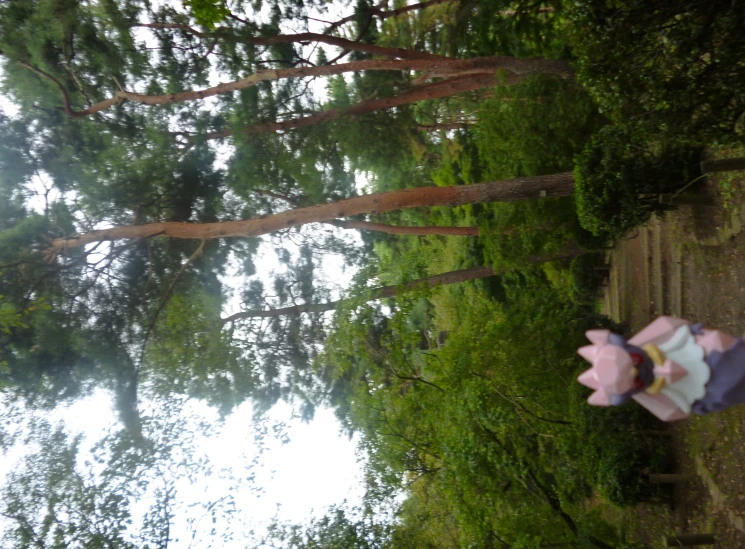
[477,424]
[670,76]
[676,66]
[618,178]
[535,128]
[586,276]
[615,454]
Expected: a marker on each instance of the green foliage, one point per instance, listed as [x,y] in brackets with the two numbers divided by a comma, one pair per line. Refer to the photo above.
[339,528]
[472,427]
[116,491]
[486,27]
[676,67]
[50,502]
[517,234]
[488,434]
[618,179]
[188,356]
[534,128]
[12,320]
[9,317]
[208,12]
[52,35]
[585,276]
[616,456]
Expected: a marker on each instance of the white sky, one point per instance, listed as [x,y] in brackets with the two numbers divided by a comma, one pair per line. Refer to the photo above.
[317,468]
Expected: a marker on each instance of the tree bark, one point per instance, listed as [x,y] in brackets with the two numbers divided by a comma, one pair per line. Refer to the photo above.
[382,292]
[397,229]
[434,90]
[723,165]
[520,67]
[380,227]
[544,186]
[442,126]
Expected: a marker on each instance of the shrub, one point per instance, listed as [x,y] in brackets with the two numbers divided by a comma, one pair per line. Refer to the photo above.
[615,456]
[585,278]
[618,179]
[534,128]
[677,66]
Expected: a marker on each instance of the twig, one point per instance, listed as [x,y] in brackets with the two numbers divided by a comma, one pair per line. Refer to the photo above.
[167,297]
[689,184]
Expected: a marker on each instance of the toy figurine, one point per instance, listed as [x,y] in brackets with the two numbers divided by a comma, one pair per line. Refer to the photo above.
[671,367]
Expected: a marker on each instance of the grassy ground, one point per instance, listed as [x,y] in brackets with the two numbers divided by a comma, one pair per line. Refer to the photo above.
[690,264]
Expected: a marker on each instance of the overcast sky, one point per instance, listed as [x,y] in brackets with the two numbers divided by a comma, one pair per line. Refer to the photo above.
[317,468]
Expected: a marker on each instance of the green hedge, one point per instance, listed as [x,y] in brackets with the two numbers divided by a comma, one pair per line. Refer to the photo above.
[585,278]
[618,179]
[675,66]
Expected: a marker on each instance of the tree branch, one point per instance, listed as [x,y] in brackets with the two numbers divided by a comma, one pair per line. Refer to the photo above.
[103,105]
[382,292]
[496,191]
[429,91]
[476,65]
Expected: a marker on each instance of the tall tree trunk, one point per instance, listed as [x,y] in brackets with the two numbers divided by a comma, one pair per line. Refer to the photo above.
[426,230]
[524,188]
[434,90]
[520,67]
[452,277]
[379,227]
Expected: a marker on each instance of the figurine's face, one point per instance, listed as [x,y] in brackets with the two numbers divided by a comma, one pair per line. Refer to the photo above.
[618,371]
[615,369]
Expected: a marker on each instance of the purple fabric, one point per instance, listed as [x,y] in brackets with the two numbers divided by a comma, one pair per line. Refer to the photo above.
[726,386]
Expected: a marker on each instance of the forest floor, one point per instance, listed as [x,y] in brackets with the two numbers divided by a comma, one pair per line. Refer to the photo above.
[691,263]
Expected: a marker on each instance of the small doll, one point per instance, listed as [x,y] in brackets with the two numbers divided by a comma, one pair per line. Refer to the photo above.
[671,367]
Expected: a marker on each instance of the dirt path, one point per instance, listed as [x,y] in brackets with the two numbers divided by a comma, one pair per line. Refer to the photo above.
[690,264]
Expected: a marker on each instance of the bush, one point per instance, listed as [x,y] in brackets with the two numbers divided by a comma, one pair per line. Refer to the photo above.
[616,457]
[535,128]
[585,278]
[677,66]
[618,179]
